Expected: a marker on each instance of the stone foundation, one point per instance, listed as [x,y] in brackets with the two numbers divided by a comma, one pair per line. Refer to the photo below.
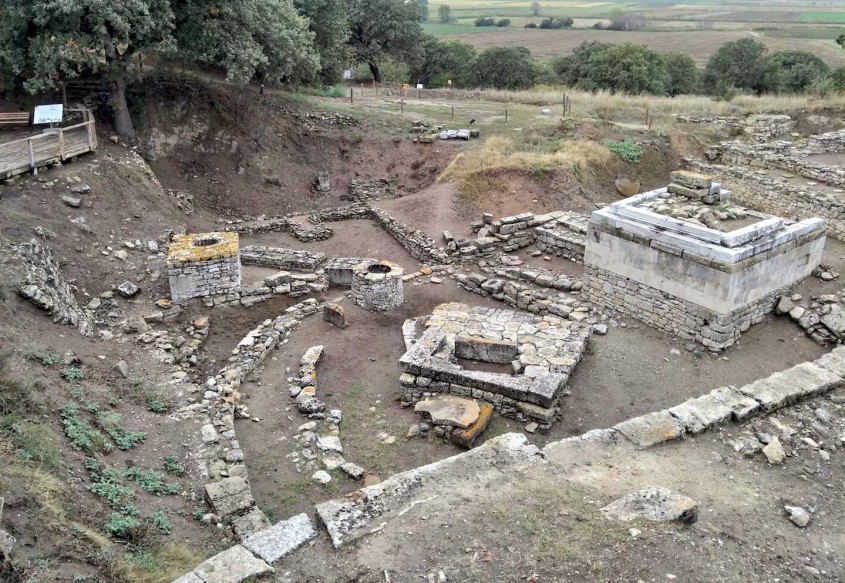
[672,314]
[202,265]
[281,258]
[542,352]
[377,285]
[694,281]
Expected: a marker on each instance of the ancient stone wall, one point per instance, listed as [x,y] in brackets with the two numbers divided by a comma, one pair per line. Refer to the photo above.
[759,191]
[671,314]
[419,245]
[281,258]
[40,282]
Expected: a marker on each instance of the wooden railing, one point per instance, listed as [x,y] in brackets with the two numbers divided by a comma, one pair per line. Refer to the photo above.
[51,146]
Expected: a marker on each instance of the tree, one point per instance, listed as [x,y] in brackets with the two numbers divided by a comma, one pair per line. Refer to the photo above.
[328,21]
[248,38]
[535,8]
[682,76]
[48,42]
[800,69]
[741,64]
[504,68]
[444,13]
[504,23]
[627,22]
[381,28]
[626,68]
[840,40]
[837,79]
[485,21]
[422,10]
[576,66]
[442,60]
[556,22]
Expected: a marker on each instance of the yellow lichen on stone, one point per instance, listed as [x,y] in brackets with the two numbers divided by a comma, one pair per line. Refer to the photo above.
[202,247]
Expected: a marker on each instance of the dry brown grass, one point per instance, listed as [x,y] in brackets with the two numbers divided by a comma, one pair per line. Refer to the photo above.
[159,565]
[477,171]
[618,105]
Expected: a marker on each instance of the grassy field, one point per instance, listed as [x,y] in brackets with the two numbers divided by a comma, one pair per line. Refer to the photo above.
[697,28]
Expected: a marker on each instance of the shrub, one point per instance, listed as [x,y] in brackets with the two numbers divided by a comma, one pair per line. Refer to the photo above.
[504,23]
[800,69]
[33,442]
[172,466]
[81,434]
[156,405]
[629,150]
[485,21]
[109,421]
[121,525]
[72,373]
[160,520]
[556,22]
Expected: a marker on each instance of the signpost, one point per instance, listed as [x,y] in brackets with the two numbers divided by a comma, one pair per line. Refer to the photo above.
[48,114]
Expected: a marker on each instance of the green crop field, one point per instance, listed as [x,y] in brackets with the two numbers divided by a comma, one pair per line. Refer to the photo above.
[822,17]
[697,28]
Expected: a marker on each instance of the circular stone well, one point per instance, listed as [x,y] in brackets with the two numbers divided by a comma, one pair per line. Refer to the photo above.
[377,285]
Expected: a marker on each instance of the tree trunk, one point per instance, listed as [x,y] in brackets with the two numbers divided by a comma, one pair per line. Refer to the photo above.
[376,73]
[120,110]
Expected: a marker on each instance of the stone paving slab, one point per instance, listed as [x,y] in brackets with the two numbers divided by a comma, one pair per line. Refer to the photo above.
[651,429]
[714,408]
[281,539]
[785,387]
[232,566]
[834,361]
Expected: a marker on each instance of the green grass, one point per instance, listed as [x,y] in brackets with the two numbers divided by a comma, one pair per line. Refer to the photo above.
[822,17]
[629,150]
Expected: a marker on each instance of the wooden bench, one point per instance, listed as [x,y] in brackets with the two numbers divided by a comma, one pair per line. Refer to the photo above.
[14,118]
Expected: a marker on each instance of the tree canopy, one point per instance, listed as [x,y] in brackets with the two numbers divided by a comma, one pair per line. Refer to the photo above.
[504,68]
[383,27]
[48,42]
[741,64]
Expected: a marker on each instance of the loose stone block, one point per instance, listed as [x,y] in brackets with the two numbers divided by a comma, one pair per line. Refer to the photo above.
[651,429]
[335,314]
[450,411]
[466,437]
[232,566]
[229,496]
[281,539]
[250,523]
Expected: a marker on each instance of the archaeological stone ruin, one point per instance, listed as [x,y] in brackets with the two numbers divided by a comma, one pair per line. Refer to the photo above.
[690,279]
[202,265]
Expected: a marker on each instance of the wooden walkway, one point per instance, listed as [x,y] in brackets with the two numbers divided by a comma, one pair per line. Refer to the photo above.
[54,145]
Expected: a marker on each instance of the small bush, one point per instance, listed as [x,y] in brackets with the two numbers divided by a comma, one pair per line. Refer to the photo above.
[629,150]
[149,480]
[72,373]
[109,422]
[81,434]
[172,466]
[160,520]
[156,405]
[45,358]
[33,442]
[120,525]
